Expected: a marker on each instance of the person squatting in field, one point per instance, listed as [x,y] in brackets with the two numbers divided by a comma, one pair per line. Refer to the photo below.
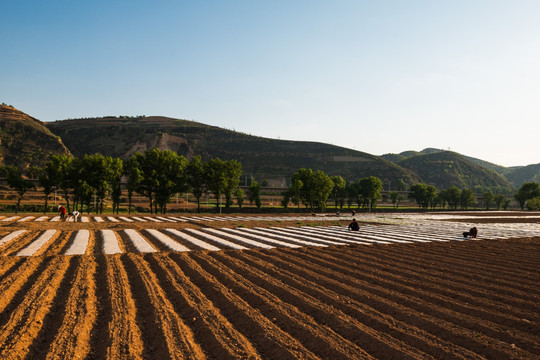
[471,233]
[354,225]
[72,215]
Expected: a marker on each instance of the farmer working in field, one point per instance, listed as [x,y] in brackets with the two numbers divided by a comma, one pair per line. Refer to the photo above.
[62,211]
[471,233]
[354,225]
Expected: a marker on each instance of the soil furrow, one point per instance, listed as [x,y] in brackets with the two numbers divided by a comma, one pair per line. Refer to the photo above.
[318,338]
[218,338]
[26,320]
[269,340]
[447,272]
[377,344]
[20,243]
[523,327]
[173,339]
[73,336]
[426,342]
[8,265]
[14,287]
[125,338]
[412,311]
[470,256]
[454,288]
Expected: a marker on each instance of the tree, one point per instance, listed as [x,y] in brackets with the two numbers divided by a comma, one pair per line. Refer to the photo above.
[418,192]
[467,198]
[370,189]
[233,171]
[488,199]
[15,181]
[396,198]
[196,179]
[59,171]
[254,194]
[170,177]
[338,191]
[134,176]
[527,191]
[214,178]
[499,200]
[453,196]
[313,188]
[239,195]
[322,187]
[47,184]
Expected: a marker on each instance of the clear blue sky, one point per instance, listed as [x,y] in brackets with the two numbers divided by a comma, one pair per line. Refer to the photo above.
[377,76]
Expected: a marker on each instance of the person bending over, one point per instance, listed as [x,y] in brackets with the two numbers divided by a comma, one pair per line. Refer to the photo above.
[471,233]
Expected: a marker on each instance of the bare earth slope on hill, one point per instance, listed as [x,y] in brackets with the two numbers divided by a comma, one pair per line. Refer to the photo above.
[399,299]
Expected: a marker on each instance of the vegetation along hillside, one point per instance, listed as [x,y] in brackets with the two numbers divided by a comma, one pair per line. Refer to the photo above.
[25,141]
[261,158]
[529,173]
[445,168]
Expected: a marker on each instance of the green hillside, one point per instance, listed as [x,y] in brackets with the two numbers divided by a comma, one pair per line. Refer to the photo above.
[25,141]
[262,158]
[523,174]
[445,168]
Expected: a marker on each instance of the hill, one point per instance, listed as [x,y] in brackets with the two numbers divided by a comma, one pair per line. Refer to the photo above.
[524,174]
[261,158]
[24,140]
[445,168]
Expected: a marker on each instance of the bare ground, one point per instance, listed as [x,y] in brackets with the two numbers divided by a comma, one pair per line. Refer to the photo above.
[438,300]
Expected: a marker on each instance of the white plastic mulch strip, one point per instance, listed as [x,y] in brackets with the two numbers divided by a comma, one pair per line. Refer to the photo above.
[152,219]
[113,219]
[139,219]
[125,219]
[55,219]
[98,219]
[27,218]
[216,239]
[78,247]
[42,218]
[220,232]
[110,242]
[297,234]
[37,244]
[177,218]
[261,238]
[11,236]
[263,231]
[192,240]
[165,219]
[166,240]
[85,219]
[11,218]
[139,242]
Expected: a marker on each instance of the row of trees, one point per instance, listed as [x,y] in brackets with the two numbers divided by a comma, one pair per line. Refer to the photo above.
[156,174]
[427,196]
[313,189]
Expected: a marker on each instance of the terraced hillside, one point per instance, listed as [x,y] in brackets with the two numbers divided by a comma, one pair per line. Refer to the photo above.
[404,287]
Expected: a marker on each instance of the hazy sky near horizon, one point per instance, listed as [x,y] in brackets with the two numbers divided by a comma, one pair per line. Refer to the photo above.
[376,76]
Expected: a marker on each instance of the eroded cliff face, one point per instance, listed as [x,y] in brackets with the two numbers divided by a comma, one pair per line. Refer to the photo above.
[26,141]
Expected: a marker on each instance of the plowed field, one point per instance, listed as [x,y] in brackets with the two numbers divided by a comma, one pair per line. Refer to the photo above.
[388,292]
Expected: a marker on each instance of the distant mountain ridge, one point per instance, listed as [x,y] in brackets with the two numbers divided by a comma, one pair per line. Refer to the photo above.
[27,141]
[261,158]
[516,175]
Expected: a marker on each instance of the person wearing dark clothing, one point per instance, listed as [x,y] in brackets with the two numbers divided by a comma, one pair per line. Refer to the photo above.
[354,225]
[471,233]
